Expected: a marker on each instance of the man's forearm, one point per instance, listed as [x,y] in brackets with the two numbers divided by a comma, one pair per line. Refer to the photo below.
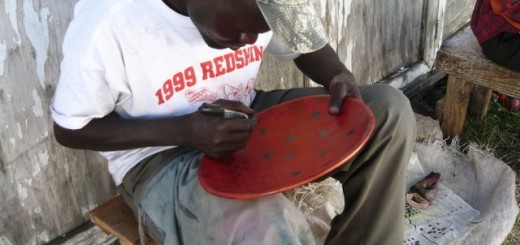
[321,66]
[115,133]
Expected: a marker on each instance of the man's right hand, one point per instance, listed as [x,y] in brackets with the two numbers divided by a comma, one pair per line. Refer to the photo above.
[218,137]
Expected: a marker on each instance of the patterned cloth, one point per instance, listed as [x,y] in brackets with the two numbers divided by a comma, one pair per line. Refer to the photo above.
[295,23]
[491,17]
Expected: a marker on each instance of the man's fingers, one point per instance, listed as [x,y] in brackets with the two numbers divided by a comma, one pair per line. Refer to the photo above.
[338,91]
[335,104]
[341,86]
[234,105]
[224,149]
[238,125]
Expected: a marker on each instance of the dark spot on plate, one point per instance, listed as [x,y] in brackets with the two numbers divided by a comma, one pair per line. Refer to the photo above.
[350,132]
[324,133]
[266,155]
[320,153]
[262,131]
[289,156]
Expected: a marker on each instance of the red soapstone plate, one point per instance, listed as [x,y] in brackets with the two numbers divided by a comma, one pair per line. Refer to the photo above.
[293,144]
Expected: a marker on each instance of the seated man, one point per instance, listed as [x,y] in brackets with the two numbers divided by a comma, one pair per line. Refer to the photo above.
[496,24]
[135,72]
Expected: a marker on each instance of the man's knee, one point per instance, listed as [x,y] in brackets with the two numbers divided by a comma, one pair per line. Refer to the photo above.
[390,107]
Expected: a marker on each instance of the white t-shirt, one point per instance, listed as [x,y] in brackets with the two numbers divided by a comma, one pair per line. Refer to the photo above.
[142,60]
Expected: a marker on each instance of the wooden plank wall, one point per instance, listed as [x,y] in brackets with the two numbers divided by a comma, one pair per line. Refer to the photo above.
[458,14]
[47,190]
[374,38]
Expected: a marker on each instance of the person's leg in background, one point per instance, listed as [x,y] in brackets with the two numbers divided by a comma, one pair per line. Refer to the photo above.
[504,49]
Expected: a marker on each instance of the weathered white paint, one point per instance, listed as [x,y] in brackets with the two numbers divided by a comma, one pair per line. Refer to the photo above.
[19,132]
[348,56]
[3,57]
[22,193]
[43,158]
[37,107]
[433,30]
[5,241]
[333,33]
[42,162]
[12,140]
[42,236]
[10,10]
[344,10]
[28,181]
[40,198]
[85,210]
[37,31]
[66,169]
[408,75]
[440,20]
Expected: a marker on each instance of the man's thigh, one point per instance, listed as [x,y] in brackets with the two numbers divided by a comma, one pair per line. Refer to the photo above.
[177,209]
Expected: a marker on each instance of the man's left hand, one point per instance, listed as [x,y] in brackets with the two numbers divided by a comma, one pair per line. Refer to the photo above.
[324,67]
[341,86]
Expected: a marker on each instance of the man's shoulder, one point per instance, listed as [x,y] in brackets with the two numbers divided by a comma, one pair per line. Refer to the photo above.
[98,16]
[104,9]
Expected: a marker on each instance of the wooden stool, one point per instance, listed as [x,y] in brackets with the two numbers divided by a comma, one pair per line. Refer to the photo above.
[115,217]
[462,59]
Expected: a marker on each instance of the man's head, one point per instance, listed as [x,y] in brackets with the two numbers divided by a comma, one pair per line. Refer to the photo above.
[235,23]
[224,23]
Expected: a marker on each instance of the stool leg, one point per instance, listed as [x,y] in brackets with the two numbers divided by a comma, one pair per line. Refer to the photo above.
[455,106]
[479,102]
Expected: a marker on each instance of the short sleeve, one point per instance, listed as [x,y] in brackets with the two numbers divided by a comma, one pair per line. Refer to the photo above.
[92,71]
[277,48]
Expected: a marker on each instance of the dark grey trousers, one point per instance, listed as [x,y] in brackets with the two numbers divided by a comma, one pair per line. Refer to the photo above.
[373,181]
[504,49]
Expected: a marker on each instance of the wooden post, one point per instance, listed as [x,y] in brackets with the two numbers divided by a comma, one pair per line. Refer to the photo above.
[455,106]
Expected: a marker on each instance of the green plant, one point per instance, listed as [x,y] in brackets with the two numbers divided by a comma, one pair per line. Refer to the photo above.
[499,131]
